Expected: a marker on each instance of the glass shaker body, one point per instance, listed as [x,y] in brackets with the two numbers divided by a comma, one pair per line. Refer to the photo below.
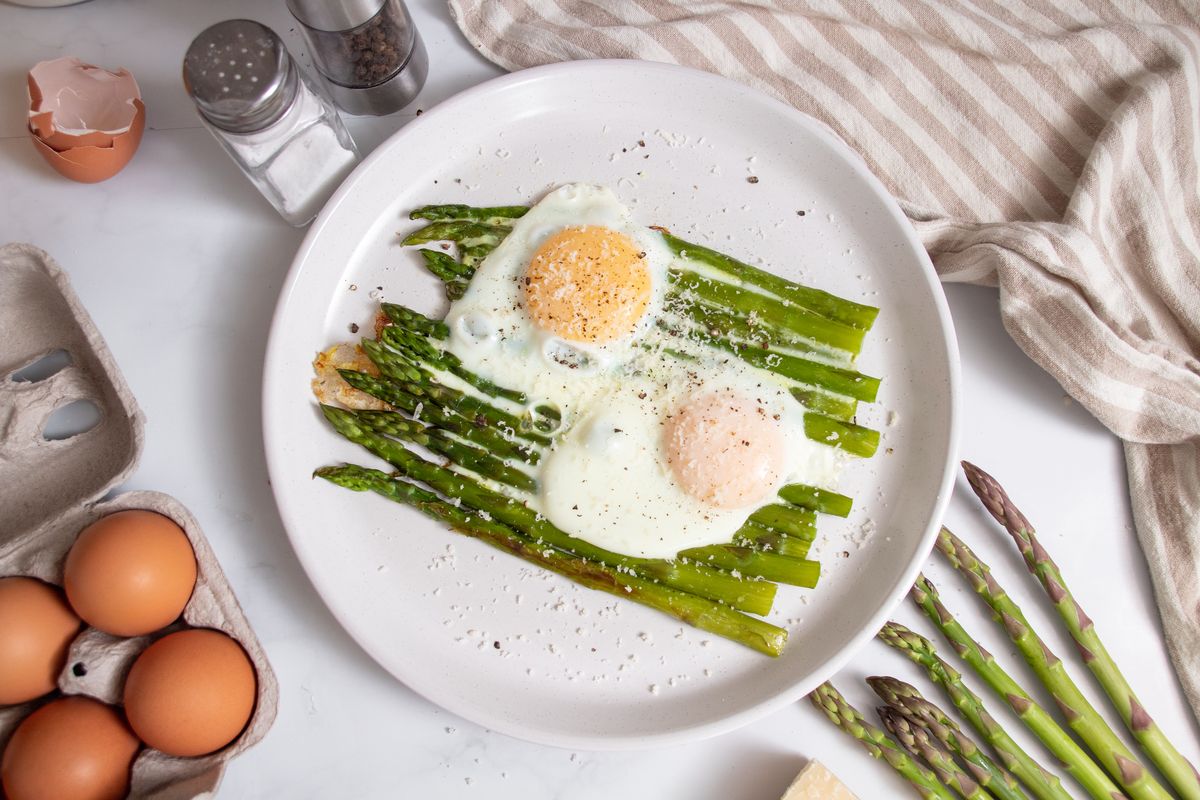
[277,127]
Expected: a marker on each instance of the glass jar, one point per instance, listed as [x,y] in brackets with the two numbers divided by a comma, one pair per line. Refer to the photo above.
[368,52]
[283,134]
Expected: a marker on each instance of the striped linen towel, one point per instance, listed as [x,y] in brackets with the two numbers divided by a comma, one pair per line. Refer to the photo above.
[1050,149]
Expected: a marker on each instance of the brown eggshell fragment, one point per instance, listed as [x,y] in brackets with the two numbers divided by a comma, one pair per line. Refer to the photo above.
[95,164]
[36,629]
[73,747]
[86,121]
[74,104]
[191,692]
[130,573]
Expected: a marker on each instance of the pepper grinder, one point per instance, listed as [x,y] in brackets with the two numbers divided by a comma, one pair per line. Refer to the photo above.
[368,52]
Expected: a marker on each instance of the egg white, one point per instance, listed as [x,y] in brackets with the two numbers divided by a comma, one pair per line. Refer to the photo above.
[606,478]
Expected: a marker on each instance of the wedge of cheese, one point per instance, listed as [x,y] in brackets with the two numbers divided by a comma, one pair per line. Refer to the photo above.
[817,783]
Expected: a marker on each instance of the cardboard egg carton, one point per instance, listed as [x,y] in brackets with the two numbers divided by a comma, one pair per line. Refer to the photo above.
[51,356]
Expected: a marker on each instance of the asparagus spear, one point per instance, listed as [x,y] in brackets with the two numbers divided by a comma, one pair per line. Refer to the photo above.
[762,538]
[418,348]
[412,320]
[476,430]
[837,380]
[1043,784]
[829,701]
[472,254]
[704,614]
[715,322]
[798,522]
[907,701]
[444,265]
[463,232]
[756,563]
[832,405]
[745,595]
[396,369]
[1181,774]
[823,303]
[414,323]
[494,215]
[449,271]
[1081,716]
[917,741]
[463,454]
[823,501]
[1089,775]
[850,437]
[771,312]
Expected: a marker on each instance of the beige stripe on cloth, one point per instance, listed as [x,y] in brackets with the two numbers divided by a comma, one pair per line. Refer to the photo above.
[1050,149]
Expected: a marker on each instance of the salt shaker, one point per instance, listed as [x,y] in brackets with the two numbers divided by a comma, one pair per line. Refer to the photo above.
[368,52]
[283,134]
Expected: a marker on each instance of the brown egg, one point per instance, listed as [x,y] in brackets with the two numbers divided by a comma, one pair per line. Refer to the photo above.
[130,573]
[73,747]
[190,693]
[36,628]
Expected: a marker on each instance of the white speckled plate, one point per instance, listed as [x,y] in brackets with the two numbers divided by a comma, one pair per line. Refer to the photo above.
[504,644]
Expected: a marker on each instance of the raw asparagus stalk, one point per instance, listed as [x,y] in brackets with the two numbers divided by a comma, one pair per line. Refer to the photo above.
[846,435]
[774,313]
[816,300]
[1081,716]
[829,701]
[1181,774]
[822,501]
[918,711]
[1077,762]
[745,595]
[704,614]
[757,563]
[917,741]
[1044,785]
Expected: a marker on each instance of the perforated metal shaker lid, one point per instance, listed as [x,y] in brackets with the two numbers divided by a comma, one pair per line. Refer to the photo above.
[240,75]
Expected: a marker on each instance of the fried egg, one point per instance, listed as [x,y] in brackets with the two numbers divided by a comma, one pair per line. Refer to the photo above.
[664,443]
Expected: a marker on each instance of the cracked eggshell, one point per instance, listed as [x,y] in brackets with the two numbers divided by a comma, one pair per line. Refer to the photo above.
[86,121]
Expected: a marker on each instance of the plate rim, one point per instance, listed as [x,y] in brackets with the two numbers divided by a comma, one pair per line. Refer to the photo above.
[745,715]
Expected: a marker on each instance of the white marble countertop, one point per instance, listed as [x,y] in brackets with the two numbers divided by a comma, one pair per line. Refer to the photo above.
[179,261]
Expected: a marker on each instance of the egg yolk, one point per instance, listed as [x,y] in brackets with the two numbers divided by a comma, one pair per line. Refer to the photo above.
[725,450]
[588,284]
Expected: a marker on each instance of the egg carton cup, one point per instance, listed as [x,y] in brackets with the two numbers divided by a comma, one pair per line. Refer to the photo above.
[51,489]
